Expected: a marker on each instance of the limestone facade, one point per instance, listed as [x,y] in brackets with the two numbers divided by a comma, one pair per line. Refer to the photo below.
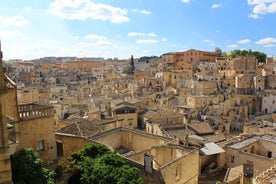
[259,150]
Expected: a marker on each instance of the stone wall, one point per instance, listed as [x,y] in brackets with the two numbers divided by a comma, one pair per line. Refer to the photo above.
[39,129]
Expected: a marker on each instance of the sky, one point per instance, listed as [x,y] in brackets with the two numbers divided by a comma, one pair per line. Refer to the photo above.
[31,29]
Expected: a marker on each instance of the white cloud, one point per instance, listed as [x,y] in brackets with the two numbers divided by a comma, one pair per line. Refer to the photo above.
[232,46]
[104,43]
[85,9]
[148,41]
[145,12]
[145,52]
[244,41]
[269,45]
[134,10]
[141,34]
[253,16]
[216,5]
[51,42]
[185,1]
[208,41]
[262,7]
[14,20]
[27,8]
[10,34]
[98,40]
[164,39]
[94,37]
[141,11]
[266,41]
[265,8]
[253,2]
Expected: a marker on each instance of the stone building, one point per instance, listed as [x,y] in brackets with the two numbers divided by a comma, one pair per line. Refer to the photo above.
[82,65]
[270,82]
[259,150]
[184,66]
[33,94]
[36,129]
[167,161]
[29,125]
[268,103]
[244,64]
[170,162]
[127,113]
[192,55]
[195,87]
[267,176]
[269,69]
[5,142]
[264,125]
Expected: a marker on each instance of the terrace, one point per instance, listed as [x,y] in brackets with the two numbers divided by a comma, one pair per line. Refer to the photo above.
[34,111]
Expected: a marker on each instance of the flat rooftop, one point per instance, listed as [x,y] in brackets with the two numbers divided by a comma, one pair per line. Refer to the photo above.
[251,140]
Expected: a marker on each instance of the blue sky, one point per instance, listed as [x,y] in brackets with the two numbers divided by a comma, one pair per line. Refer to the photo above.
[106,28]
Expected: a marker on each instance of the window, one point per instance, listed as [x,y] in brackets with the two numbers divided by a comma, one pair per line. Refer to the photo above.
[40,145]
[232,159]
[59,149]
[269,154]
[7,161]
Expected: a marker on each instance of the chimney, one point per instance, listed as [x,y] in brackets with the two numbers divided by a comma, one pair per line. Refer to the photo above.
[248,173]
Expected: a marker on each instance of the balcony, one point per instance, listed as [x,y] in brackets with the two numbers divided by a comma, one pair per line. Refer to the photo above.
[34,111]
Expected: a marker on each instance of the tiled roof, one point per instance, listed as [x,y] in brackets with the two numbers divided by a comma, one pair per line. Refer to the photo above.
[150,114]
[180,133]
[201,128]
[117,101]
[124,107]
[215,138]
[81,127]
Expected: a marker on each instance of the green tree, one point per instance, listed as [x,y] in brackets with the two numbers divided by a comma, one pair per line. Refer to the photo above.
[89,150]
[244,52]
[27,168]
[218,50]
[110,168]
[259,55]
[98,164]
[132,67]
